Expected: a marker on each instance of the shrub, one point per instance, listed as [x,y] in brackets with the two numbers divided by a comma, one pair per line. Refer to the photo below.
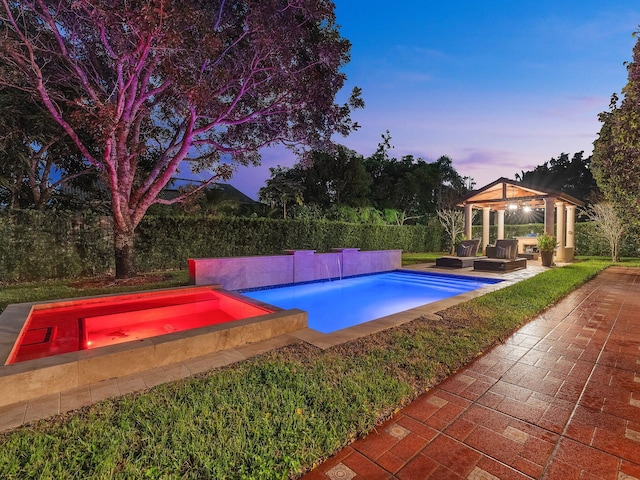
[587,242]
[546,242]
[36,245]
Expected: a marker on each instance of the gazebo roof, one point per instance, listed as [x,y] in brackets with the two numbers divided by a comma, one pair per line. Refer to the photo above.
[503,192]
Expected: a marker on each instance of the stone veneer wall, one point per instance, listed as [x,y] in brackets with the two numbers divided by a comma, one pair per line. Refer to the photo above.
[294,266]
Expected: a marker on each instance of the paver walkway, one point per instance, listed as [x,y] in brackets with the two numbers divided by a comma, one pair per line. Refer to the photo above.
[560,399]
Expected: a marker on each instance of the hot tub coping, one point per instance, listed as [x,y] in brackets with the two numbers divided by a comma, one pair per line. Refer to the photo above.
[43,376]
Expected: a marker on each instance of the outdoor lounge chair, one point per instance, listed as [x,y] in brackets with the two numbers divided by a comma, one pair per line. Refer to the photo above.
[503,257]
[465,257]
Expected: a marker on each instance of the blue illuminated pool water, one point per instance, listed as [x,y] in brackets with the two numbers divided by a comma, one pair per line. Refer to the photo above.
[338,304]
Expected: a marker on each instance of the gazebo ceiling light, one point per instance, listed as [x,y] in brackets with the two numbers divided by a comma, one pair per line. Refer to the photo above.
[526,207]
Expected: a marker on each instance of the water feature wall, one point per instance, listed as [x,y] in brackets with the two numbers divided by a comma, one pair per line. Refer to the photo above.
[294,266]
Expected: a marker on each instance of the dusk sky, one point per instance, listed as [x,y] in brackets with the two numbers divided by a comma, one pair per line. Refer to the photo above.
[499,86]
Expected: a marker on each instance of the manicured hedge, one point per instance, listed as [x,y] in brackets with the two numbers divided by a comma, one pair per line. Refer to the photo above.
[587,243]
[35,245]
[168,242]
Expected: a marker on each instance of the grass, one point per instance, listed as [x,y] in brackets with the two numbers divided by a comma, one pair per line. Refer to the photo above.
[55,289]
[276,415]
[413,258]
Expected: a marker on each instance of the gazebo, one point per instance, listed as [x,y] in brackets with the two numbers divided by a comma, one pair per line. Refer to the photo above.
[506,195]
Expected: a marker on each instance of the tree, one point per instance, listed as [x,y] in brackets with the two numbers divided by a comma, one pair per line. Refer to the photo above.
[206,84]
[560,174]
[450,185]
[608,226]
[616,153]
[281,189]
[453,223]
[412,187]
[323,179]
[37,156]
[337,177]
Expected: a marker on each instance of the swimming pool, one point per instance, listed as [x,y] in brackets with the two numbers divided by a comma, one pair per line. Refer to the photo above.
[334,305]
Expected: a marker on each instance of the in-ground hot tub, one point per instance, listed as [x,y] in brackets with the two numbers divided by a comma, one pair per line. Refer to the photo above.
[62,327]
[48,347]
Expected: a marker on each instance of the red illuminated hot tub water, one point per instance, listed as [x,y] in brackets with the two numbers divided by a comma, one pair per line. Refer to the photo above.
[63,327]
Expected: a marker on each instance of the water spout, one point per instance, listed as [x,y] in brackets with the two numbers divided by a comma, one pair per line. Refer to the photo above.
[328,273]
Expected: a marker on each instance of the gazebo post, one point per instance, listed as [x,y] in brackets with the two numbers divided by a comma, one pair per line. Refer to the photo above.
[549,206]
[560,228]
[500,224]
[468,220]
[486,223]
[571,240]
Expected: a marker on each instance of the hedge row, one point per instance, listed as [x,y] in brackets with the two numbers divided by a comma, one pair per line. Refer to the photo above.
[36,246]
[168,242]
[586,242]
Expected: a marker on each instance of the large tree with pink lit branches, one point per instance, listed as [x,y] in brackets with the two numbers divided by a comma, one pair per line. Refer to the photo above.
[157,84]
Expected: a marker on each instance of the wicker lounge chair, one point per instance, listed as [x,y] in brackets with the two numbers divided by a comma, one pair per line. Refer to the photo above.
[465,257]
[501,258]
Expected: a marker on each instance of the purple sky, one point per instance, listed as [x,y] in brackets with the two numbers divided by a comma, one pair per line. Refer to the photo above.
[498,86]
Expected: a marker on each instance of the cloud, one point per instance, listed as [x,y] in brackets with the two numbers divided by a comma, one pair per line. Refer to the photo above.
[577,108]
[487,165]
[579,32]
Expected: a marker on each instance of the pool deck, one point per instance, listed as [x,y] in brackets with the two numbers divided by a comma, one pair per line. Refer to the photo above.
[559,399]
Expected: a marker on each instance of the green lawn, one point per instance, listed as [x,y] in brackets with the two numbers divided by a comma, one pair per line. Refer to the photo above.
[276,415]
[413,258]
[55,289]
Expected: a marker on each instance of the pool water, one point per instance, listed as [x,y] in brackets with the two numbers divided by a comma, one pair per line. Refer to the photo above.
[334,305]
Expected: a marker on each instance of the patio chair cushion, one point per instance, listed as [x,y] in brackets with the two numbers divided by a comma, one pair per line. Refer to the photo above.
[502,252]
[499,264]
[505,249]
[465,250]
[456,262]
[502,257]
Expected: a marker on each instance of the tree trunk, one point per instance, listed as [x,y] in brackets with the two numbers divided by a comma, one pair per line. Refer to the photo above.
[123,247]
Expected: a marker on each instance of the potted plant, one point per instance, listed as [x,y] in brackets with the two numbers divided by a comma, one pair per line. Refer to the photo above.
[546,246]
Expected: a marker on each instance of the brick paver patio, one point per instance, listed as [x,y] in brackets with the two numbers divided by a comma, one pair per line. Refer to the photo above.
[560,399]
